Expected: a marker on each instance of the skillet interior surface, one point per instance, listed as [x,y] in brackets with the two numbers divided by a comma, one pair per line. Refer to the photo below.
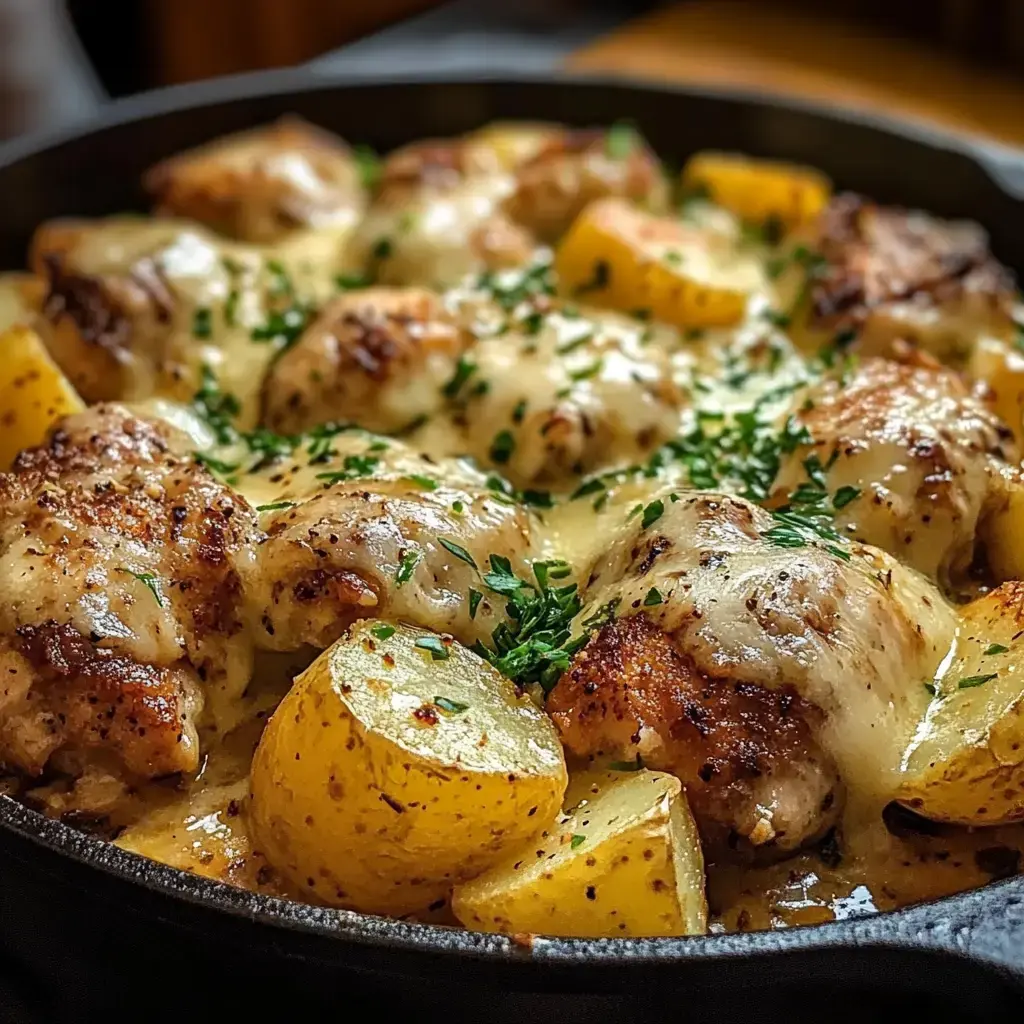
[967,949]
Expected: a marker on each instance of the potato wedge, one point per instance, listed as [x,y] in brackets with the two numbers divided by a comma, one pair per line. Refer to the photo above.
[618,256]
[624,859]
[391,771]
[1001,367]
[966,764]
[759,190]
[34,394]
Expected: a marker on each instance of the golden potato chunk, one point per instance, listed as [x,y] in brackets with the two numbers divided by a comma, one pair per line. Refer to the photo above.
[966,764]
[1001,367]
[624,859]
[399,764]
[759,190]
[616,255]
[34,394]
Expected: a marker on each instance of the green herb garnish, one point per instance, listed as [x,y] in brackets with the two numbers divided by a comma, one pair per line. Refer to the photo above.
[453,707]
[436,647]
[408,563]
[148,579]
[275,506]
[971,681]
[457,550]
[382,631]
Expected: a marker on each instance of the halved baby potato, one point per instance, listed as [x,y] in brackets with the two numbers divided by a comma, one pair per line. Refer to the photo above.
[619,256]
[399,764]
[966,765]
[759,190]
[1003,536]
[624,859]
[34,394]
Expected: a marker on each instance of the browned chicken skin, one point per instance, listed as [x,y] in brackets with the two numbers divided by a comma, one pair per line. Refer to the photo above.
[119,598]
[901,274]
[734,745]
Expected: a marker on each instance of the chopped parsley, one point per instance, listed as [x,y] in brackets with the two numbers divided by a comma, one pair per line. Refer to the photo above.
[535,645]
[452,707]
[382,631]
[457,550]
[519,412]
[353,468]
[382,249]
[464,369]
[216,407]
[368,164]
[351,281]
[475,597]
[425,483]
[148,579]
[621,140]
[653,598]
[274,506]
[969,682]
[436,647]
[577,841]
[513,287]
[202,323]
[280,281]
[995,649]
[502,447]
[215,465]
[593,370]
[406,565]
[652,513]
[283,328]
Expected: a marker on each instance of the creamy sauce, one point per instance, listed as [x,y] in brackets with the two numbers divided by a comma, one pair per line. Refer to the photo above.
[574,367]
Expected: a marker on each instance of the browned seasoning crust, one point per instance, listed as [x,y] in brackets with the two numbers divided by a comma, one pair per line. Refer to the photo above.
[257,186]
[879,258]
[119,596]
[734,745]
[575,167]
[379,357]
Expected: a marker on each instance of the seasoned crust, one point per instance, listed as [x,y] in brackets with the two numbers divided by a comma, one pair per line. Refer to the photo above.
[81,700]
[378,357]
[258,186]
[890,271]
[120,596]
[738,747]
[574,168]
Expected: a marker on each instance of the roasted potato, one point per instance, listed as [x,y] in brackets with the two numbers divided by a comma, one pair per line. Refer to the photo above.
[399,764]
[1003,536]
[618,256]
[34,394]
[759,190]
[966,764]
[624,859]
[1001,367]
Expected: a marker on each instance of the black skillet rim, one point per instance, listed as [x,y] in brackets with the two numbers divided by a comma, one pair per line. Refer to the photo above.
[927,925]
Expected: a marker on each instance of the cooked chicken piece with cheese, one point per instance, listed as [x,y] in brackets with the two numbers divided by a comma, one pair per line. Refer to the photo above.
[446,208]
[541,391]
[562,393]
[901,274]
[360,527]
[379,357]
[259,186]
[575,167]
[135,308]
[917,460]
[769,678]
[120,600]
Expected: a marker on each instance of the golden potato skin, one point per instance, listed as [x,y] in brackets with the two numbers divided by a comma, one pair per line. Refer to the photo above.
[386,776]
[966,766]
[34,394]
[623,860]
[757,190]
[618,256]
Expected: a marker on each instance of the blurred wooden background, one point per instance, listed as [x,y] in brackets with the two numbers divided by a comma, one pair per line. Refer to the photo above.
[959,61]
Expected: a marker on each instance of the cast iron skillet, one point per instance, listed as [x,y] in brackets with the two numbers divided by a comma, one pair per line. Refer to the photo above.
[86,926]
